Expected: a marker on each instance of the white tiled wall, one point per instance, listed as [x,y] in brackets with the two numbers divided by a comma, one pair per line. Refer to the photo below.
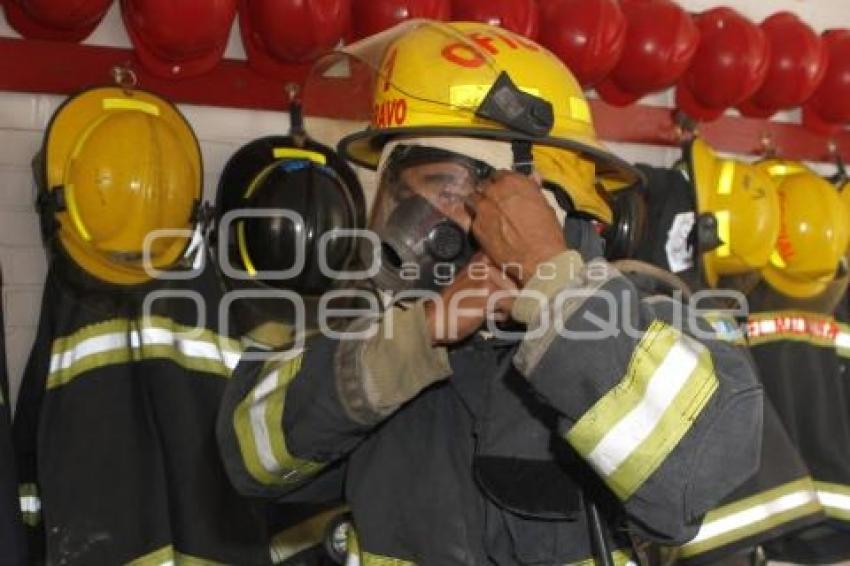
[221,131]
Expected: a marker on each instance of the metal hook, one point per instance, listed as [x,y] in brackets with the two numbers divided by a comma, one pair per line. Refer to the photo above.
[768,145]
[125,77]
[686,128]
[840,176]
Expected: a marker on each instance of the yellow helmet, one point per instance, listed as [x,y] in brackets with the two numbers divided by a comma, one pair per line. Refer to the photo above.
[118,166]
[814,235]
[428,78]
[738,204]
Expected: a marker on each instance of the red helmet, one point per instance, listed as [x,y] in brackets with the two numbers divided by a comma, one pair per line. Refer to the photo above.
[587,35]
[179,39]
[60,20]
[373,16]
[519,16]
[661,39]
[798,61]
[829,108]
[729,66]
[278,33]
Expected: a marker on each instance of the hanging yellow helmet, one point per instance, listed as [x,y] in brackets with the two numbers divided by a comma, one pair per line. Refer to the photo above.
[428,78]
[120,165]
[813,241]
[739,203]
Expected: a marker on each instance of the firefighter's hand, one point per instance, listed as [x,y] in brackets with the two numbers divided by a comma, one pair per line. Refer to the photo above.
[479,291]
[515,226]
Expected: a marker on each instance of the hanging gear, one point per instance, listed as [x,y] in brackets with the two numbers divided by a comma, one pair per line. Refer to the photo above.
[279,33]
[723,221]
[117,166]
[374,16]
[302,192]
[494,73]
[517,16]
[588,36]
[812,246]
[179,39]
[12,539]
[661,40]
[730,64]
[802,356]
[798,60]
[55,20]
[828,110]
[738,218]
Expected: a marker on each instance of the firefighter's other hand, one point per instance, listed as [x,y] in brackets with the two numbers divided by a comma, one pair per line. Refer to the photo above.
[479,291]
[515,225]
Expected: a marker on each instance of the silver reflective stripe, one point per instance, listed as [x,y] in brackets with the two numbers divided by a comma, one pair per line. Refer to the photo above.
[262,440]
[148,337]
[833,500]
[666,382]
[30,504]
[88,347]
[753,515]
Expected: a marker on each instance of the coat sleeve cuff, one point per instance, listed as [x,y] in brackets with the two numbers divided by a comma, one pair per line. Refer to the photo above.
[551,278]
[378,374]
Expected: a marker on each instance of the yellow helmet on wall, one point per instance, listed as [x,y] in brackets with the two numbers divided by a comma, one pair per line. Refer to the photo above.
[814,233]
[426,78]
[119,165]
[739,203]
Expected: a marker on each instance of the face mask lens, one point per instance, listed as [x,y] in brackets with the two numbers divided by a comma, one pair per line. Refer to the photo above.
[421,216]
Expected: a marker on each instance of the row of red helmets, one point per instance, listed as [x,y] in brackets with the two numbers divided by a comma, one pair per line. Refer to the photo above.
[625,49]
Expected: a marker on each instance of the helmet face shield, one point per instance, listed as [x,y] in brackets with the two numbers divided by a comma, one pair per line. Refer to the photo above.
[421,217]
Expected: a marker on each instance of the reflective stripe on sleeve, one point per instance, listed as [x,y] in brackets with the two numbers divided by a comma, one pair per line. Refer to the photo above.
[168,556]
[753,515]
[629,432]
[258,422]
[835,499]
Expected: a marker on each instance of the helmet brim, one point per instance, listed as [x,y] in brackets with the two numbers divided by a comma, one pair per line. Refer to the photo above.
[364,148]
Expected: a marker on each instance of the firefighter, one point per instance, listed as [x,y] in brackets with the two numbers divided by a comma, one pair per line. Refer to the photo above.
[468,447]
[114,428]
[714,224]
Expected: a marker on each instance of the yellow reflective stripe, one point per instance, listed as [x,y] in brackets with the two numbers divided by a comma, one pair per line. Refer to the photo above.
[30,504]
[167,556]
[74,212]
[120,341]
[835,499]
[579,109]
[727,175]
[776,259]
[621,558]
[130,104]
[295,153]
[753,515]
[629,432]
[302,536]
[724,233]
[258,422]
[242,242]
[369,559]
